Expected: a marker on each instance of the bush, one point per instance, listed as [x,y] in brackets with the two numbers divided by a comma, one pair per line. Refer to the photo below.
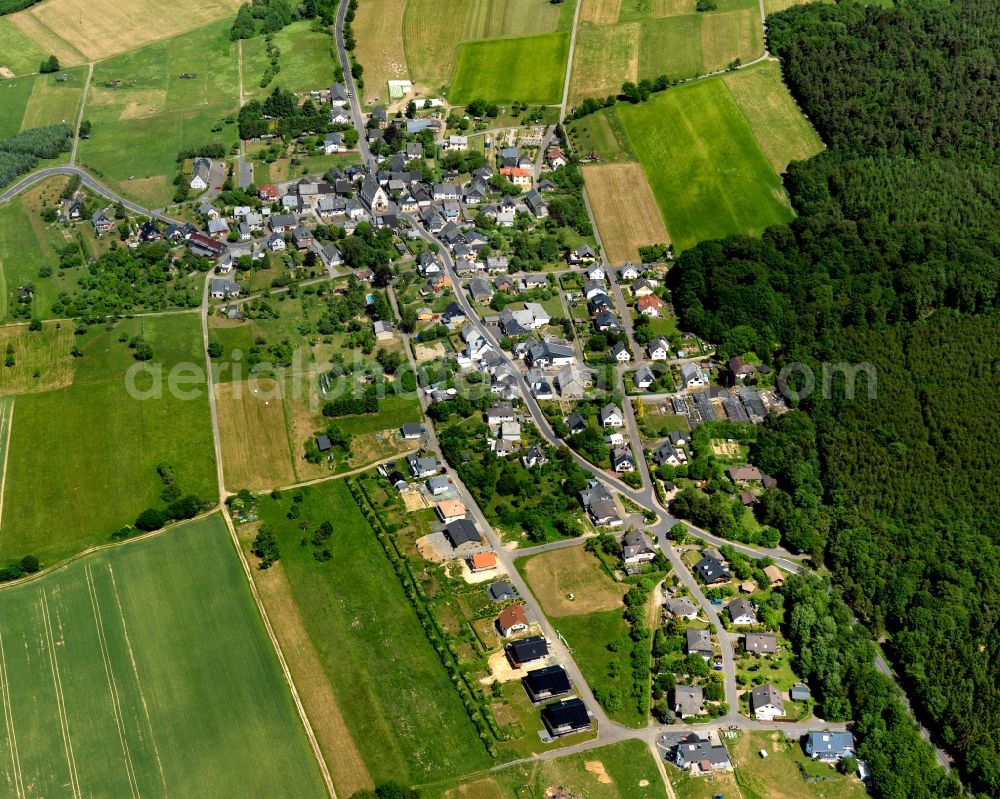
[151,519]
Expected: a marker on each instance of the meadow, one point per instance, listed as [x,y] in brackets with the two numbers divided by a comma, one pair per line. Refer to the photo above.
[378,29]
[625,210]
[623,770]
[28,243]
[14,97]
[307,60]
[53,101]
[19,54]
[492,19]
[83,459]
[42,359]
[403,713]
[118,675]
[681,45]
[256,452]
[529,69]
[554,576]
[78,31]
[781,130]
[140,126]
[704,166]
[602,134]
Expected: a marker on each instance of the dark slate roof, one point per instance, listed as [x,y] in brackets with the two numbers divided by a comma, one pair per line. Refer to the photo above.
[462,531]
[569,712]
[551,679]
[528,649]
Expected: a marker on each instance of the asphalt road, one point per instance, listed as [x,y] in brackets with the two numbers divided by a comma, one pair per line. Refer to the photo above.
[92,184]
[345,63]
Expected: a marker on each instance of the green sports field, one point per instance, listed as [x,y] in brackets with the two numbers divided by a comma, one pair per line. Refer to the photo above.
[145,670]
[403,713]
[529,69]
[140,125]
[704,166]
[83,458]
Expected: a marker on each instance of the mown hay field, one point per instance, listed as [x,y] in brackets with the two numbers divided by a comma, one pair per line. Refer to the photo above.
[625,210]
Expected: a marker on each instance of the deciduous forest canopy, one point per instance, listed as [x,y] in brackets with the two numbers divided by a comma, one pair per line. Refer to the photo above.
[893,260]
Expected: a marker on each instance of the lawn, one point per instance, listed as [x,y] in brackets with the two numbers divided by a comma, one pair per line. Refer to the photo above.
[781,130]
[779,776]
[529,69]
[704,166]
[83,459]
[625,210]
[623,770]
[111,690]
[402,711]
[140,126]
[20,55]
[53,101]
[78,31]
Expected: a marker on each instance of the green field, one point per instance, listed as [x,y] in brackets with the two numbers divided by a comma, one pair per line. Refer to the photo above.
[783,132]
[707,172]
[306,59]
[529,69]
[83,459]
[623,770]
[491,19]
[678,46]
[53,101]
[403,713]
[145,670]
[14,96]
[17,52]
[140,126]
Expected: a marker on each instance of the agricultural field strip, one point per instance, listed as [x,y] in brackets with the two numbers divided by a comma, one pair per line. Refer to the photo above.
[116,710]
[60,698]
[135,672]
[6,422]
[8,718]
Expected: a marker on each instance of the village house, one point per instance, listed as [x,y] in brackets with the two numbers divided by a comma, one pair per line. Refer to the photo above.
[760,644]
[611,416]
[201,173]
[450,510]
[699,642]
[681,607]
[829,747]
[526,650]
[566,717]
[462,533]
[701,756]
[741,612]
[636,548]
[659,349]
[766,703]
[546,683]
[689,700]
[512,620]
[692,376]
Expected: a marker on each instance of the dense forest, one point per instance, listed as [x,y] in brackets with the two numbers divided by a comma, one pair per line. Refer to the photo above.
[893,261]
